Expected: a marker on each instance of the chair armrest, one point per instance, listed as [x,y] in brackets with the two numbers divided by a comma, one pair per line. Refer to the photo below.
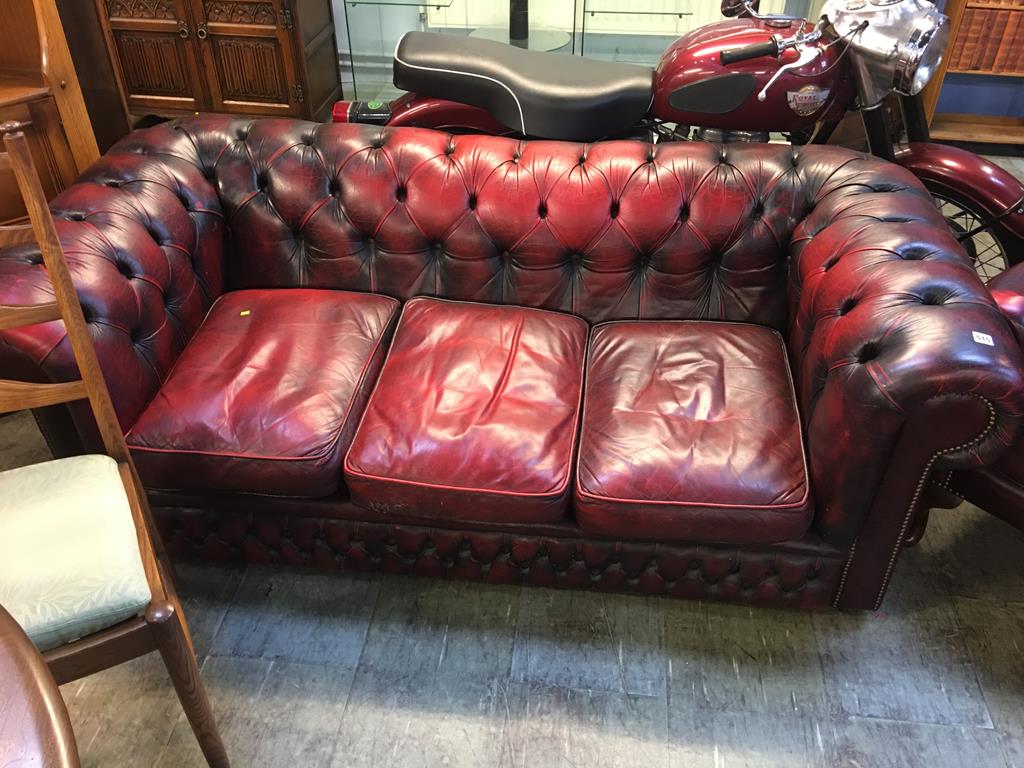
[144,238]
[903,362]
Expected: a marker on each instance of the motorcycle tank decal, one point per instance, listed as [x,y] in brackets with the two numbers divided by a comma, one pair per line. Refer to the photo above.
[695,57]
[714,95]
[807,100]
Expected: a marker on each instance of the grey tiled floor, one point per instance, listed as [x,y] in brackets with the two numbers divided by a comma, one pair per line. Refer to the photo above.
[341,671]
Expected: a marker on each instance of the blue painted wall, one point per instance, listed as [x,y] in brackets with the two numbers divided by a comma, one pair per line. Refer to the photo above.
[982,95]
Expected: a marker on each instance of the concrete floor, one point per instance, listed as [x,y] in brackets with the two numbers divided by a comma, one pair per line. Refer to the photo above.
[313,670]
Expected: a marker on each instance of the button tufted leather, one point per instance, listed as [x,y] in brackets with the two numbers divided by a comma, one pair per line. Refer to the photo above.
[504,215]
[871,352]
[802,576]
[691,433]
[143,299]
[844,253]
[474,416]
[267,395]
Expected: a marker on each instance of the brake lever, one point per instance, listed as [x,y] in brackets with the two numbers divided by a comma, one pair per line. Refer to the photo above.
[808,53]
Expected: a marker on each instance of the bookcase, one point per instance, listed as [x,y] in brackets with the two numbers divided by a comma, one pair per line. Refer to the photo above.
[986,38]
[988,41]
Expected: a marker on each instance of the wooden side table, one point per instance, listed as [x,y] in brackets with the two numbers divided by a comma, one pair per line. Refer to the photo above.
[34,725]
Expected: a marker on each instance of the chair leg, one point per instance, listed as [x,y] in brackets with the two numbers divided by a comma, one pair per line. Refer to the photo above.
[173,643]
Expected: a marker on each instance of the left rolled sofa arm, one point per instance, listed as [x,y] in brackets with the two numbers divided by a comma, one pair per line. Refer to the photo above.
[144,238]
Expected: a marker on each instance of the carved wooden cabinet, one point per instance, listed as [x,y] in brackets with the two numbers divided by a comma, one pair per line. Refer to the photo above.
[253,57]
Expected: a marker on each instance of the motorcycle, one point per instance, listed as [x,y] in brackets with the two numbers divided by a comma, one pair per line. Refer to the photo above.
[741,79]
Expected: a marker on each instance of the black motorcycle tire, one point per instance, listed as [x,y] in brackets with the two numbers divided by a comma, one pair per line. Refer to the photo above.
[1010,246]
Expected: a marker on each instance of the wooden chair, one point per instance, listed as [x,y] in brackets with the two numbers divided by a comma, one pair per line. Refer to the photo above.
[155,620]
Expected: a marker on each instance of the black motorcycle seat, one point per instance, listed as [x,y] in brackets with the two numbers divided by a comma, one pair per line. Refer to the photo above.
[543,95]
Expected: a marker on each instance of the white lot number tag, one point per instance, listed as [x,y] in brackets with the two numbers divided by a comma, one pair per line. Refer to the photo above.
[983,338]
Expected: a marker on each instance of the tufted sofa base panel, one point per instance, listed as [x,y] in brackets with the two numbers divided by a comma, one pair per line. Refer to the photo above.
[804,577]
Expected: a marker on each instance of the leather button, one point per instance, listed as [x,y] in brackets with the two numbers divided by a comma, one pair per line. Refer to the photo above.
[867,353]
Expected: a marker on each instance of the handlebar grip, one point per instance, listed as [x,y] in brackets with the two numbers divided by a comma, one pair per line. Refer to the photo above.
[767,48]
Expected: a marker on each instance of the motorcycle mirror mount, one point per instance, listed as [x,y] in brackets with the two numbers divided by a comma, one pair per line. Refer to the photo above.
[770,19]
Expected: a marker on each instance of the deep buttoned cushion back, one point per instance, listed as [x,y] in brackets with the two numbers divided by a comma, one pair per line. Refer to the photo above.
[605,231]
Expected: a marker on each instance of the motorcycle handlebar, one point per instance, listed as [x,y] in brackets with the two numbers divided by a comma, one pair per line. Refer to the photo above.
[767,48]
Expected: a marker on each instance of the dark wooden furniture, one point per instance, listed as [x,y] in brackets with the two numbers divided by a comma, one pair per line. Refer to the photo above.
[38,85]
[251,57]
[163,625]
[88,46]
[34,725]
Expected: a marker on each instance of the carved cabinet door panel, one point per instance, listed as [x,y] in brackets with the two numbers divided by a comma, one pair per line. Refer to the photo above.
[151,42]
[247,55]
[50,152]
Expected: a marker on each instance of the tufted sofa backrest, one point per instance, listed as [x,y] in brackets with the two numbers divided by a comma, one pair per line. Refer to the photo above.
[612,230]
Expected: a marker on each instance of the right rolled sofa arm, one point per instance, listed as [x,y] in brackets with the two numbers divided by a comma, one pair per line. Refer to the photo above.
[903,363]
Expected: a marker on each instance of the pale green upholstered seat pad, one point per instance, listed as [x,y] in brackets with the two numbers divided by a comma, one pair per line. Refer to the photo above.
[69,554]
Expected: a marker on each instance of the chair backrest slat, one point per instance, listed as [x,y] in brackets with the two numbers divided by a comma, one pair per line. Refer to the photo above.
[79,337]
[15,317]
[20,395]
[16,234]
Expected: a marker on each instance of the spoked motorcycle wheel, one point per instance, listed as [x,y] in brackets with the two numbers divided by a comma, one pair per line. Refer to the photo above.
[992,250]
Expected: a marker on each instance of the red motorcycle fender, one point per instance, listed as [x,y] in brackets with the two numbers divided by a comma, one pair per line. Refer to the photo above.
[969,176]
[428,112]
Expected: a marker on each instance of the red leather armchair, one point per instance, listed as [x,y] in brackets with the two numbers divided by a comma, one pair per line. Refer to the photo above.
[999,488]
[684,369]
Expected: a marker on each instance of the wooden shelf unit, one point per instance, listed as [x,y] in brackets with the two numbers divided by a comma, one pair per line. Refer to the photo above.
[981,129]
[988,130]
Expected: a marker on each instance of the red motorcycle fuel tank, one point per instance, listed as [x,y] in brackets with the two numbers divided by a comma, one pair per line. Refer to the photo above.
[693,87]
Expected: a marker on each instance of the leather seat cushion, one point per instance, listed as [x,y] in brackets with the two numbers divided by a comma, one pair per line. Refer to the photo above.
[69,554]
[266,396]
[474,416]
[691,433]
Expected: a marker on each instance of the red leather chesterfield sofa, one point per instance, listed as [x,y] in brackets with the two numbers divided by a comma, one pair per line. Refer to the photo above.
[682,369]
[999,488]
